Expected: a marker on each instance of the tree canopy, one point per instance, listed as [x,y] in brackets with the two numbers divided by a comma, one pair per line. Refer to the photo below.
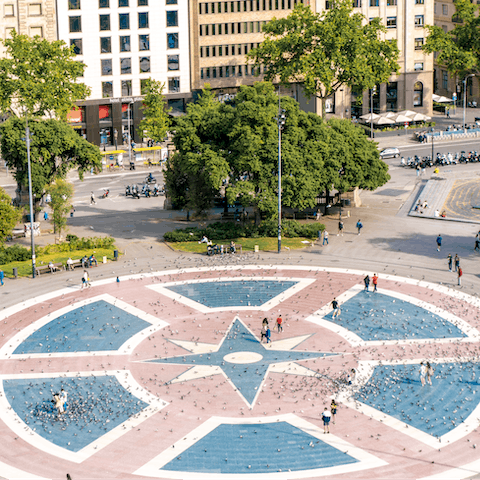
[55,148]
[61,192]
[156,120]
[234,148]
[458,49]
[9,215]
[39,77]
[327,50]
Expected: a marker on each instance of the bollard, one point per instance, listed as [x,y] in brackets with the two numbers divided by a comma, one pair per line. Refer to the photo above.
[115,255]
[104,259]
[15,272]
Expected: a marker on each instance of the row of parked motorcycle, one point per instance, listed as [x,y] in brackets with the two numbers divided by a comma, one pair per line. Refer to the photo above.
[441,159]
[146,189]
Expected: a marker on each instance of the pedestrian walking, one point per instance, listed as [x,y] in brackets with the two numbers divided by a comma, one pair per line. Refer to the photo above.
[280,324]
[45,215]
[477,245]
[374,281]
[92,199]
[2,275]
[423,373]
[351,376]
[268,335]
[340,228]
[457,262]
[459,273]
[359,226]
[366,281]
[450,262]
[336,308]
[264,329]
[430,372]
[439,242]
[326,416]
[325,237]
[333,410]
[85,280]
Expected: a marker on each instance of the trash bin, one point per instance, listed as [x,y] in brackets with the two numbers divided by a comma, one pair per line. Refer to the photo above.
[27,215]
[115,255]
[15,272]
[256,249]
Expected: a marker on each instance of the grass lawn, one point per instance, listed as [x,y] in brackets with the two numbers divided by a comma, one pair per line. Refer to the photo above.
[248,244]
[25,267]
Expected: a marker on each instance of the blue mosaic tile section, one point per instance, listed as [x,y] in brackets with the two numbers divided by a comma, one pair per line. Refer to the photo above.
[242,293]
[436,409]
[98,326]
[247,378]
[96,405]
[266,448]
[375,316]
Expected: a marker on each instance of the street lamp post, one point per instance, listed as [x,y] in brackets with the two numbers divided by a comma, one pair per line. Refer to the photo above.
[30,196]
[372,92]
[280,122]
[129,134]
[465,99]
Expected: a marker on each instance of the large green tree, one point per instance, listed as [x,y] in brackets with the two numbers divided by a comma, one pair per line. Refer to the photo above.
[9,215]
[156,120]
[234,149]
[61,192]
[55,148]
[458,49]
[326,51]
[39,78]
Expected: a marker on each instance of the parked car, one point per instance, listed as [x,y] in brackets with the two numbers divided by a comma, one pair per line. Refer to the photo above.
[390,152]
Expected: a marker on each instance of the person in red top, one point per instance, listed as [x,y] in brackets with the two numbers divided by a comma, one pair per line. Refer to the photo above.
[374,281]
[460,273]
[279,324]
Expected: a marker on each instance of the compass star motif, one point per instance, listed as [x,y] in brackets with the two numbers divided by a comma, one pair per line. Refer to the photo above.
[243,359]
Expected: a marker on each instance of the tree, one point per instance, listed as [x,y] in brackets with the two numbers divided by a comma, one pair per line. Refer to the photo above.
[156,122]
[458,49]
[61,192]
[9,215]
[326,51]
[39,78]
[234,149]
[55,148]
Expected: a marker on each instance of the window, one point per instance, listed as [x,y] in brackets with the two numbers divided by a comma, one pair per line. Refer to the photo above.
[107,89]
[392,90]
[391,3]
[444,79]
[77,45]
[418,66]
[143,86]
[35,9]
[171,2]
[418,94]
[174,85]
[104,22]
[391,22]
[419,2]
[419,43]
[144,64]
[172,18]
[74,4]
[142,3]
[173,62]
[126,88]
[419,21]
[444,9]
[75,24]
[445,29]
[357,3]
[103,3]
[176,104]
[374,3]
[172,40]
[125,43]
[123,21]
[125,66]
[123,3]
[9,10]
[105,45]
[36,32]
[143,20]
[106,64]
[144,42]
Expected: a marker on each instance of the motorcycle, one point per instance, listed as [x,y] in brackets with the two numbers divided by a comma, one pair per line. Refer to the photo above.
[105,193]
[146,190]
[150,179]
[158,191]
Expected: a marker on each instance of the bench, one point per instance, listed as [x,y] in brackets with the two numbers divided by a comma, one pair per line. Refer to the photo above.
[46,269]
[75,263]
[216,249]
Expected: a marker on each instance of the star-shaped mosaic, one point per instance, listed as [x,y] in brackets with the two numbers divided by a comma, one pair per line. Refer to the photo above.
[243,359]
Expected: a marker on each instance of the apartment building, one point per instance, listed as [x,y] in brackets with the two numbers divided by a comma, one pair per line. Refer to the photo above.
[445,83]
[122,43]
[222,32]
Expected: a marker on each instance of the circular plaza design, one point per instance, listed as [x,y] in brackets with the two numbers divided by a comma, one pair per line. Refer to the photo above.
[167,376]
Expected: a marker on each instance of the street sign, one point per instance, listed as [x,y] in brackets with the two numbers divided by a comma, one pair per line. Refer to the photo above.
[454,96]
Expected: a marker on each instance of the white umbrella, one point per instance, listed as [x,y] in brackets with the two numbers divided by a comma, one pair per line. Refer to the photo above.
[369,116]
[399,118]
[441,99]
[418,117]
[389,114]
[383,121]
[407,113]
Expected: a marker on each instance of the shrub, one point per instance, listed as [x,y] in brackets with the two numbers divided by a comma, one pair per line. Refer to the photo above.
[15,253]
